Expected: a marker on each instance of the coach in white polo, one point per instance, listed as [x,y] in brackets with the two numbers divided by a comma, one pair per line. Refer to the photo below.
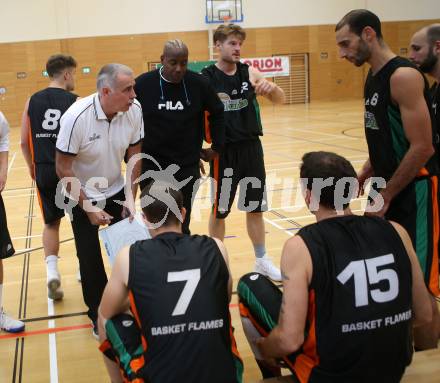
[95,134]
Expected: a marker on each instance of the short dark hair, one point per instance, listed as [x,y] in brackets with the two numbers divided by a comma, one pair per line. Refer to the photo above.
[223,31]
[156,210]
[57,63]
[358,19]
[332,167]
[433,34]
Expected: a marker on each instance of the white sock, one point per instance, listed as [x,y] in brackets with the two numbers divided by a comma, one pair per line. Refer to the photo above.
[52,264]
[52,260]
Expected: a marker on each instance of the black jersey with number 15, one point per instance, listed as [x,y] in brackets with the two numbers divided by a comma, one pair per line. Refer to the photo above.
[359,319]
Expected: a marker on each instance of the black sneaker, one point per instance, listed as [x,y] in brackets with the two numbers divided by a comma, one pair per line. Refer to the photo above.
[95,332]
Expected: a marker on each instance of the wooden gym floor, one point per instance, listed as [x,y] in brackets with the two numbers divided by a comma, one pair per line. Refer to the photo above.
[58,344]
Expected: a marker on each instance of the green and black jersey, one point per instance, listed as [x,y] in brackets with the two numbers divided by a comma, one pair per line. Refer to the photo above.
[179,294]
[242,112]
[435,104]
[416,206]
[387,143]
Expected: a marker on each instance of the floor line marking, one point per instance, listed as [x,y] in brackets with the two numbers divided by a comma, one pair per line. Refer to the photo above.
[12,161]
[277,226]
[53,356]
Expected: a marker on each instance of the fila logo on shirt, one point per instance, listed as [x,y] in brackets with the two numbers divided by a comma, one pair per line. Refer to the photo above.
[373,100]
[168,105]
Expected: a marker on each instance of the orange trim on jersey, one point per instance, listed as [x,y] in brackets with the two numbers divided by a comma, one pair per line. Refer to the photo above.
[216,164]
[434,275]
[306,361]
[40,201]
[30,142]
[137,364]
[208,137]
[31,147]
[233,342]
[423,172]
[136,316]
[244,312]
[104,346]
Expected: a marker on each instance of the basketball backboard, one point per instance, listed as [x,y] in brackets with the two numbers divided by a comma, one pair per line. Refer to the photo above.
[223,11]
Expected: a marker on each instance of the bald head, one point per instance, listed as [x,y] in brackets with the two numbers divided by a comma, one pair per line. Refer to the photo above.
[432,33]
[425,49]
[175,47]
[174,60]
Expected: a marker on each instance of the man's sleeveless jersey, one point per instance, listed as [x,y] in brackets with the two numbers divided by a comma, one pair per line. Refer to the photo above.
[242,112]
[435,103]
[45,110]
[359,318]
[384,131]
[178,288]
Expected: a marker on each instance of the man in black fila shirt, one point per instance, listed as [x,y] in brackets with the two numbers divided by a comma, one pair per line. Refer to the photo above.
[400,137]
[242,161]
[40,127]
[173,101]
[352,289]
[425,53]
[178,288]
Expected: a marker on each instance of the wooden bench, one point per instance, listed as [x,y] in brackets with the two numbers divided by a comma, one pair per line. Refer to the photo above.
[425,368]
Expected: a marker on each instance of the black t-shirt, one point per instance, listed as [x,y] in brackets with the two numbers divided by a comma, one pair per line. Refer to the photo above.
[242,112]
[45,110]
[179,285]
[360,299]
[174,117]
[387,143]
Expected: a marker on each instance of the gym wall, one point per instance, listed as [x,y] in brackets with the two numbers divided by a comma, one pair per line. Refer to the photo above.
[59,30]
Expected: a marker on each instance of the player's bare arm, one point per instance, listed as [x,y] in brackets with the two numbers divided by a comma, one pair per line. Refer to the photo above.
[266,88]
[24,140]
[407,87]
[224,252]
[288,335]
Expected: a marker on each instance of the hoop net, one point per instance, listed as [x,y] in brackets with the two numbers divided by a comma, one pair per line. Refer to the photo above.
[226,19]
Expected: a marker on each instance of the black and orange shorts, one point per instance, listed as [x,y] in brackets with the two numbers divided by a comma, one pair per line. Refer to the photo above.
[240,164]
[47,180]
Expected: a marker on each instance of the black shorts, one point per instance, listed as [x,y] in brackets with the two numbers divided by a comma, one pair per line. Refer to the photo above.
[47,180]
[240,163]
[416,209]
[124,346]
[260,302]
[6,247]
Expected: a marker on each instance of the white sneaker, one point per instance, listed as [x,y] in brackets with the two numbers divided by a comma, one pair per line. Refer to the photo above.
[9,324]
[54,290]
[266,267]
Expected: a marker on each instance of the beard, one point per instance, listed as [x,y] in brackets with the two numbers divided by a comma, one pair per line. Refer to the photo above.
[429,63]
[363,54]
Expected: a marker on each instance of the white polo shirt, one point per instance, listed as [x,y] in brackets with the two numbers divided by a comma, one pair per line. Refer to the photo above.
[99,145]
[4,133]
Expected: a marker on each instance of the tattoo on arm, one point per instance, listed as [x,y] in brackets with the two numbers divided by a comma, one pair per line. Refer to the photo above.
[283,303]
